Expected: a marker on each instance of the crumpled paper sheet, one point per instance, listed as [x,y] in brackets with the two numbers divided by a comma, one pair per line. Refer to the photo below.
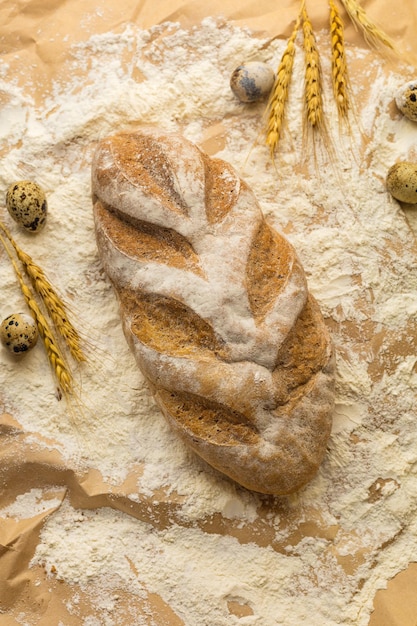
[32,34]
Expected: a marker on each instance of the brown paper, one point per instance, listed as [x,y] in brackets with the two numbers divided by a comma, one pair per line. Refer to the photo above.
[398,603]
[38,35]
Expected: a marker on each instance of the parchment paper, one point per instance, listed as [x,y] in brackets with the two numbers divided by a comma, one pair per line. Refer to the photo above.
[38,34]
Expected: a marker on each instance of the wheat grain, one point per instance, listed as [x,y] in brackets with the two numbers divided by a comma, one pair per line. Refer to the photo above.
[52,301]
[53,352]
[279,94]
[313,88]
[372,33]
[340,78]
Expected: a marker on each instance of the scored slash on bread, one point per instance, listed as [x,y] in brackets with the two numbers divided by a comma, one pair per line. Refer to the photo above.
[216,309]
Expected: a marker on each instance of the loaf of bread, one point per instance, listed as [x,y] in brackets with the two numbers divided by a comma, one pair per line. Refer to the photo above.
[216,309]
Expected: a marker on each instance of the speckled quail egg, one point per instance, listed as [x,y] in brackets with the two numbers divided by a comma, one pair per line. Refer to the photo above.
[26,203]
[406,100]
[18,332]
[252,81]
[402,182]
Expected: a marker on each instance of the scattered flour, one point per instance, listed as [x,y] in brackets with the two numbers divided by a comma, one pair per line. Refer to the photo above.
[179,80]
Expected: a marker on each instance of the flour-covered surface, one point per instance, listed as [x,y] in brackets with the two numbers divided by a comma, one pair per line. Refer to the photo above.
[106,518]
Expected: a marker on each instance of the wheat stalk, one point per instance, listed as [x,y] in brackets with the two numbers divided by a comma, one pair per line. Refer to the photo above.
[55,357]
[313,88]
[372,33]
[279,93]
[52,301]
[340,78]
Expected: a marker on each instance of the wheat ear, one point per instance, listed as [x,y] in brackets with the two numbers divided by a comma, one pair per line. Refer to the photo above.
[313,88]
[372,33]
[52,301]
[340,79]
[279,93]
[55,357]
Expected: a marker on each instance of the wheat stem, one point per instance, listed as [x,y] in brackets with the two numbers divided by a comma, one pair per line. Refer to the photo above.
[313,88]
[340,79]
[55,357]
[52,301]
[280,90]
[372,33]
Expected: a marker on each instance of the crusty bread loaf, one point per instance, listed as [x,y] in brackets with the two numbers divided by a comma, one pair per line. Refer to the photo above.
[216,309]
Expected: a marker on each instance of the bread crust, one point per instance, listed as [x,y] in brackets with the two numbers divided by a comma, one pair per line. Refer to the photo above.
[216,309]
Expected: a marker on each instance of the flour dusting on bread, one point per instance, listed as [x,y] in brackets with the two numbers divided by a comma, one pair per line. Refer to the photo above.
[216,308]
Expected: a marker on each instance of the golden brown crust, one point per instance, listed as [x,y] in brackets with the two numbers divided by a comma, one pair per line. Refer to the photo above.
[216,309]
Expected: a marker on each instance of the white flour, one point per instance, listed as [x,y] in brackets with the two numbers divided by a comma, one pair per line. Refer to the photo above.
[179,80]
